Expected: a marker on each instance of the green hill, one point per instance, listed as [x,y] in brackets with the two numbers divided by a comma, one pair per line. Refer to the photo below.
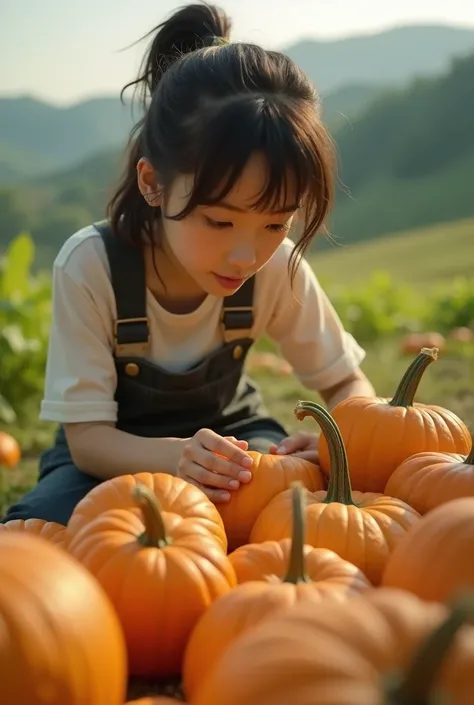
[423,258]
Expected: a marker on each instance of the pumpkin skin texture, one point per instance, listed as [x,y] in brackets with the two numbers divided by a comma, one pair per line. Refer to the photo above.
[379,434]
[351,653]
[49,530]
[159,700]
[286,574]
[160,575]
[362,528]
[10,452]
[428,480]
[176,496]
[435,561]
[60,639]
[271,474]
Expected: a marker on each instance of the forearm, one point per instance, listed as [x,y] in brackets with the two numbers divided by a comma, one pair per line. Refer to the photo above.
[356,385]
[103,451]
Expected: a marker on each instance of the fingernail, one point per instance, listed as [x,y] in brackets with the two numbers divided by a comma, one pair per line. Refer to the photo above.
[225,496]
[247,462]
[234,484]
[245,476]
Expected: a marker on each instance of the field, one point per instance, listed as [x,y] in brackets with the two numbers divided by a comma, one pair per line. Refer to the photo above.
[419,281]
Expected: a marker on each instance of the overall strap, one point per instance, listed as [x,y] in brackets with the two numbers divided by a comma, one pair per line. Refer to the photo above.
[237,312]
[127,274]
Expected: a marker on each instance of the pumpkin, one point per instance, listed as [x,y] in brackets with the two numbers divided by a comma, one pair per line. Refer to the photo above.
[436,560]
[412,342]
[383,647]
[271,474]
[463,334]
[60,639]
[427,480]
[362,528]
[157,700]
[274,575]
[50,530]
[380,434]
[160,570]
[10,453]
[176,497]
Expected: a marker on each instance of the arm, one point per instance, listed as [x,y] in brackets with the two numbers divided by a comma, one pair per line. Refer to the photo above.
[355,385]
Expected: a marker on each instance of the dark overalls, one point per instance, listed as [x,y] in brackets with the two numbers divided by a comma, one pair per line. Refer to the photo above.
[214,394]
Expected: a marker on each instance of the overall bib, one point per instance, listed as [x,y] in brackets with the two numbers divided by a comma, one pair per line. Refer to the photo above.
[154,403]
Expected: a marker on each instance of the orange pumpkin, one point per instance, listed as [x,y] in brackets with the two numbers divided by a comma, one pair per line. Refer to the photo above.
[462,335]
[10,452]
[271,474]
[383,647]
[274,575]
[50,530]
[60,640]
[161,572]
[436,561]
[427,480]
[380,434]
[178,498]
[362,528]
[158,700]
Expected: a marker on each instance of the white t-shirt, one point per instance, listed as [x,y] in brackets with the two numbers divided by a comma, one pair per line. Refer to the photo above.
[81,376]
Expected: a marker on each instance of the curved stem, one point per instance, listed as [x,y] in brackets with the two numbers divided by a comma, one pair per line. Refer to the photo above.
[296,568]
[470,458]
[416,686]
[408,387]
[339,488]
[155,530]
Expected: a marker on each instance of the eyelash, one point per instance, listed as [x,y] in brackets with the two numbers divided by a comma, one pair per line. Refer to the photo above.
[221,225]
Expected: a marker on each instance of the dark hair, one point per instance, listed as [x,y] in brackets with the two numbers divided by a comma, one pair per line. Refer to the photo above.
[209,106]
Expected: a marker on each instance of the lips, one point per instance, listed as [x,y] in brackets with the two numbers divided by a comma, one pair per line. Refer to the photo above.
[229,282]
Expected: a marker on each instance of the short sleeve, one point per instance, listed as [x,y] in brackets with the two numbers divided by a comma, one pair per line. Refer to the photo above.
[310,333]
[80,373]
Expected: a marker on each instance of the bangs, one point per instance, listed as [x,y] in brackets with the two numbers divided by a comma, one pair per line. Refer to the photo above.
[288,136]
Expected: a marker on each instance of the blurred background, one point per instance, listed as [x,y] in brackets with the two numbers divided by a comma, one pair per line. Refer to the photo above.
[397,87]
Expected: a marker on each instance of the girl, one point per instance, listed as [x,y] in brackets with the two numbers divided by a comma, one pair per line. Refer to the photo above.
[155,310]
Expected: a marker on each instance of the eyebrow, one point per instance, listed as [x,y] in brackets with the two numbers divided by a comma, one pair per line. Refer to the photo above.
[236,209]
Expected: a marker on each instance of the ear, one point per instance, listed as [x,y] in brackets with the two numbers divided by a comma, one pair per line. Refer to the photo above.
[148,183]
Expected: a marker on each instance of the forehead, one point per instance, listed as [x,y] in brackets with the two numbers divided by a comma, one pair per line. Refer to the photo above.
[248,189]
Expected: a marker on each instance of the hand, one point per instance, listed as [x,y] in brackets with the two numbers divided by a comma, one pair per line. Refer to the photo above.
[215,476]
[301,445]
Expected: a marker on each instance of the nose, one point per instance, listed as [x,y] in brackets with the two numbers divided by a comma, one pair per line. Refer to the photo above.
[242,255]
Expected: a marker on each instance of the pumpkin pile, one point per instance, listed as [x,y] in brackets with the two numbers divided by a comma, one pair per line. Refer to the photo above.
[351,583]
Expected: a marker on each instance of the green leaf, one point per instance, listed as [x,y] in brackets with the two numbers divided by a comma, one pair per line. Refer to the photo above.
[7,413]
[17,265]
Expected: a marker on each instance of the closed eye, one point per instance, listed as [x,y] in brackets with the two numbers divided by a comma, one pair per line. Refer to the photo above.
[218,224]
[280,227]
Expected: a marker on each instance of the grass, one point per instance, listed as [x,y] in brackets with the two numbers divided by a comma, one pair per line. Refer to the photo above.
[424,258]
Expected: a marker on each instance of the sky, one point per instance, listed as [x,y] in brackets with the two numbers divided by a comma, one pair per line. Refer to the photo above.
[63,53]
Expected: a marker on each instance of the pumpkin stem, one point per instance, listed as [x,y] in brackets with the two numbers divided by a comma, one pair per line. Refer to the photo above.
[408,387]
[470,458]
[416,686]
[339,488]
[296,568]
[155,530]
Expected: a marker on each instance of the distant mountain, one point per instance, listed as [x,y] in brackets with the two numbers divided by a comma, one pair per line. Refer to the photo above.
[37,138]
[387,58]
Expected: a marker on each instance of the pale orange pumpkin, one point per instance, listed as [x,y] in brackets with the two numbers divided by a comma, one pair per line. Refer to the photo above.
[154,700]
[176,497]
[462,334]
[428,480]
[362,528]
[274,576]
[386,646]
[160,571]
[10,452]
[379,434]
[436,560]
[271,474]
[60,639]
[49,530]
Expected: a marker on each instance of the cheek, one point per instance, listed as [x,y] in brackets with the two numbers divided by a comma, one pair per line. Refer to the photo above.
[190,245]
[268,244]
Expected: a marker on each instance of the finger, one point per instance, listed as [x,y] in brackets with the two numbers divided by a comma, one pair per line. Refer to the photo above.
[296,442]
[206,477]
[219,466]
[214,495]
[273,449]
[311,455]
[241,444]
[218,444]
